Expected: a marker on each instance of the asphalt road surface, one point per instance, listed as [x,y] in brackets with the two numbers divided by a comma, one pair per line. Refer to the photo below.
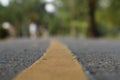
[17,55]
[100,58]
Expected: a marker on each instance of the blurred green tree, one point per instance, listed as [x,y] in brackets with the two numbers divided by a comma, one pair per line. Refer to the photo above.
[91,18]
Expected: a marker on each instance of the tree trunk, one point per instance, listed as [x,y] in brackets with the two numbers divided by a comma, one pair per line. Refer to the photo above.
[92,30]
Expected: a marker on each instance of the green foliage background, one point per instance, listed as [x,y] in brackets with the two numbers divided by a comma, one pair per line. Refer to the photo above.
[71,14]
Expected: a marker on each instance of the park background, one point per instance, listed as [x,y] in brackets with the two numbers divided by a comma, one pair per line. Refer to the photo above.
[64,18]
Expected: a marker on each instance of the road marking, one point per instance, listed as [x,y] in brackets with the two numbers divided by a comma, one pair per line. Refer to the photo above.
[58,63]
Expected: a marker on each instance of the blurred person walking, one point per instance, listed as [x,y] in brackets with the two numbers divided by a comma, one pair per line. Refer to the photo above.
[10,29]
[44,31]
[33,30]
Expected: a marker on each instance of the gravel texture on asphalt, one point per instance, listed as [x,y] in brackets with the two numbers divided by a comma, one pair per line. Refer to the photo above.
[16,55]
[100,57]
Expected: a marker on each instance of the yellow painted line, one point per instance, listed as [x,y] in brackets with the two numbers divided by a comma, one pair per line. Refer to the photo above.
[58,63]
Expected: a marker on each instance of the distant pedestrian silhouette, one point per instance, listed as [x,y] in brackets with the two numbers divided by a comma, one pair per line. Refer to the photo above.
[33,30]
[10,28]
